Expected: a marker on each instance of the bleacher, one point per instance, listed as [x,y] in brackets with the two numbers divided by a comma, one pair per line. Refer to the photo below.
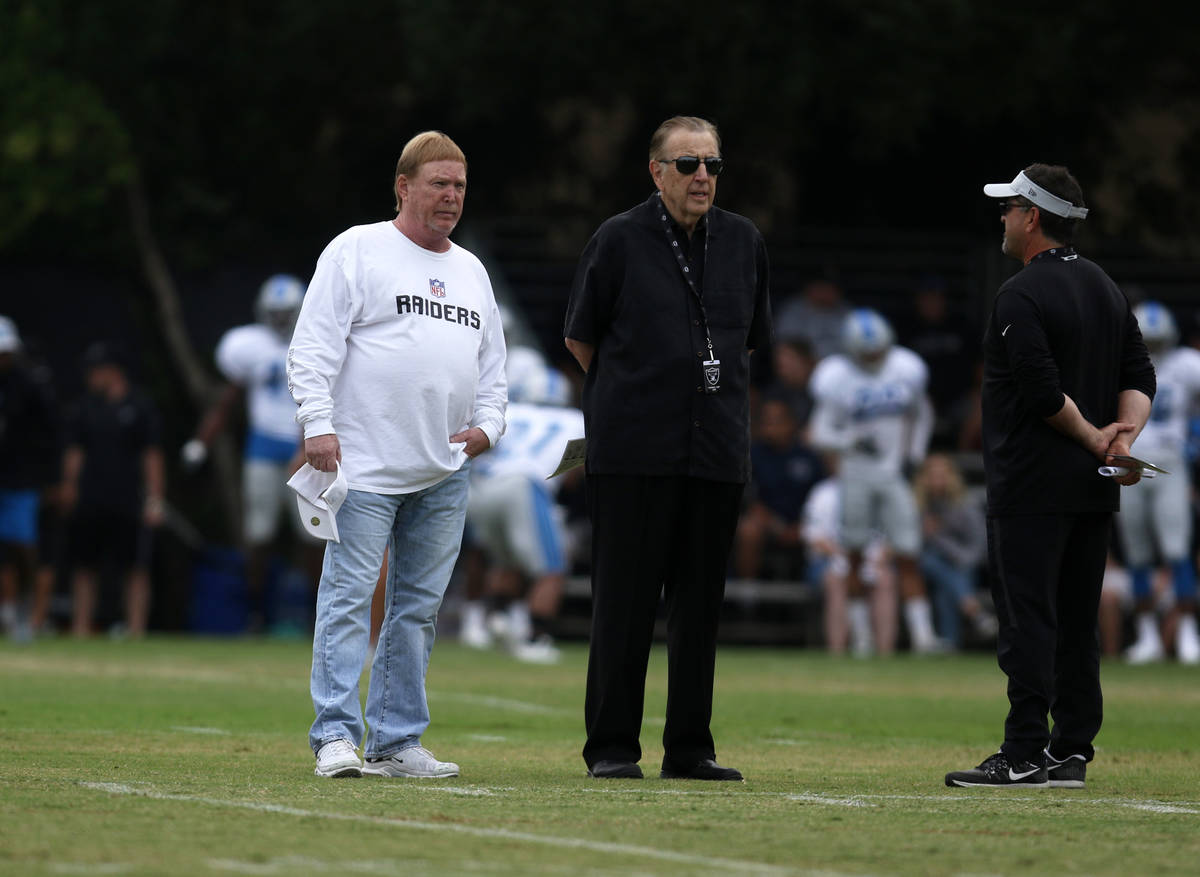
[756,611]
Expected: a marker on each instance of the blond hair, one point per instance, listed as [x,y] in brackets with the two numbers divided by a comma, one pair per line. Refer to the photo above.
[681,123]
[423,148]
[956,486]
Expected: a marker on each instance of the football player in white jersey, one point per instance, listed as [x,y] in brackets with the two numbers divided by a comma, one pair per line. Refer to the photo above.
[872,411]
[1156,515]
[821,530]
[253,359]
[514,517]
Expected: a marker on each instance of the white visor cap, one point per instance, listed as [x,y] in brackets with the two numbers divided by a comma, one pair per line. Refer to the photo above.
[319,495]
[1026,188]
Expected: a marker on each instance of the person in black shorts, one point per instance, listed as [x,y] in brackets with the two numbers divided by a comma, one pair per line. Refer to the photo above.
[1062,353]
[112,489]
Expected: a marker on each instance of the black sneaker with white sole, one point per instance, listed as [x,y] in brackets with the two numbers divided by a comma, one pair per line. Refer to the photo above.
[1069,773]
[998,772]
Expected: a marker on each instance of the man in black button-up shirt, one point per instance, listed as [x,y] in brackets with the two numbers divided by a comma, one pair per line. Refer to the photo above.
[668,301]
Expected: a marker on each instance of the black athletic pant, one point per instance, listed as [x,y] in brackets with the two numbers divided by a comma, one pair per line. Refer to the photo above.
[653,535]
[1046,573]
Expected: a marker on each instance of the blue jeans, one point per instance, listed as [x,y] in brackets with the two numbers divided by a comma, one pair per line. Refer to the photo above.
[948,586]
[423,533]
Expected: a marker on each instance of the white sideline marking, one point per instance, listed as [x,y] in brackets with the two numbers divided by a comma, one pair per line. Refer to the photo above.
[487,738]
[1157,807]
[459,790]
[92,867]
[196,729]
[143,670]
[500,703]
[954,799]
[853,801]
[287,864]
[733,865]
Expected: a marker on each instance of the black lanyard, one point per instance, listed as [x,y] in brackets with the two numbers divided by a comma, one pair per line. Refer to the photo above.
[669,228]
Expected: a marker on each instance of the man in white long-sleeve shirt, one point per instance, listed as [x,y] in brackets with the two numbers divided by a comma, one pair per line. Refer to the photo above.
[397,363]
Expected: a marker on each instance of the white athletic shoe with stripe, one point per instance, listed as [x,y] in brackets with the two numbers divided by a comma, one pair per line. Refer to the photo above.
[338,758]
[416,761]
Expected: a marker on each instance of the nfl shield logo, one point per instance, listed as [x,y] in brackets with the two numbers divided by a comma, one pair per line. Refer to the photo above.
[437,288]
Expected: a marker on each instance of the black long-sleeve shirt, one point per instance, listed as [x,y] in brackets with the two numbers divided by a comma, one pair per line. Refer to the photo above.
[644,403]
[1060,325]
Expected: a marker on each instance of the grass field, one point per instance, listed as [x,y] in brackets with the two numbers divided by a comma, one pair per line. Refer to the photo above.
[181,756]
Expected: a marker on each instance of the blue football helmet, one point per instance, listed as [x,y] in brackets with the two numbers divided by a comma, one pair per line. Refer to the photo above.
[867,336]
[1158,326]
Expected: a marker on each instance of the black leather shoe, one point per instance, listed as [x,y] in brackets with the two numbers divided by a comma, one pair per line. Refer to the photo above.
[615,770]
[701,770]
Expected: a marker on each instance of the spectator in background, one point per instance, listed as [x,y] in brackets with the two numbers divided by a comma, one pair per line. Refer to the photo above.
[948,342]
[113,489]
[828,567]
[792,364]
[815,315]
[253,359]
[513,516]
[1155,519]
[30,461]
[872,411]
[783,470]
[970,430]
[954,547]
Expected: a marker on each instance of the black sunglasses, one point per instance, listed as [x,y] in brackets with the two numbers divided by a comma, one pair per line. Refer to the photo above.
[689,164]
[1006,206]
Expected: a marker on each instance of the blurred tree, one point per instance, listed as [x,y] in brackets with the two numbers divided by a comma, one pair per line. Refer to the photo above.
[178,137]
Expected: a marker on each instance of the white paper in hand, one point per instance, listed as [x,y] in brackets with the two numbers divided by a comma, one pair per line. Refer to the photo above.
[573,455]
[318,497]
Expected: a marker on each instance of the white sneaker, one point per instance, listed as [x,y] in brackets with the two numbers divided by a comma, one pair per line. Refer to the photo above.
[1146,650]
[986,624]
[932,646]
[537,651]
[416,761]
[338,759]
[1147,647]
[1187,642]
[474,633]
[858,614]
[498,627]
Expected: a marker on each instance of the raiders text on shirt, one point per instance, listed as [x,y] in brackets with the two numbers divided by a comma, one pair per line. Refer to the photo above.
[415,304]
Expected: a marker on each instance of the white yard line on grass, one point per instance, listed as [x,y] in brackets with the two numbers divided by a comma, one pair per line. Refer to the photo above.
[1160,806]
[734,866]
[44,665]
[1189,808]
[498,703]
[289,864]
[517,706]
[195,729]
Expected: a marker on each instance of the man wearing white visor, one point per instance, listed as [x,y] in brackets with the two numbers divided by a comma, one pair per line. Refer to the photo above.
[1067,383]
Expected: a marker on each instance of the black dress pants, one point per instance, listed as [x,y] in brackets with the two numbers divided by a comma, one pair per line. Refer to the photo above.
[655,535]
[1046,573]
